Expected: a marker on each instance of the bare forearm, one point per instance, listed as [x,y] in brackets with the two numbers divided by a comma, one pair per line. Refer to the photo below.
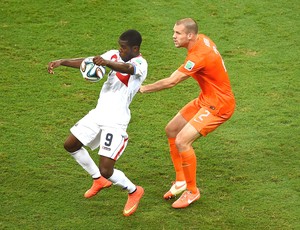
[116,66]
[74,63]
[157,86]
[175,78]
[120,67]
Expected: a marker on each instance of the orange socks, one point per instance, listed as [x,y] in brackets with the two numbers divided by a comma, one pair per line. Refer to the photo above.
[185,164]
[189,163]
[176,159]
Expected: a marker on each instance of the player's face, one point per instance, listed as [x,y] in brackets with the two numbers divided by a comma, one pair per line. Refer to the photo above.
[180,37]
[125,51]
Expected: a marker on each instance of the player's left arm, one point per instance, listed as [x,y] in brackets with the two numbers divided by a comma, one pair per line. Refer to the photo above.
[169,82]
[116,66]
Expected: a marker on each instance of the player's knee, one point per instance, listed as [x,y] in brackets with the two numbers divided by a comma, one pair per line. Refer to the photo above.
[72,146]
[171,131]
[181,144]
[69,148]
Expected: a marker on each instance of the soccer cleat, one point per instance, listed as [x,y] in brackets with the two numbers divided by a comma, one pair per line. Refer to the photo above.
[186,199]
[98,184]
[174,190]
[133,201]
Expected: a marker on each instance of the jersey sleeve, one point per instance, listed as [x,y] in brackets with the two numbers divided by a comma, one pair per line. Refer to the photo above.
[192,64]
[140,66]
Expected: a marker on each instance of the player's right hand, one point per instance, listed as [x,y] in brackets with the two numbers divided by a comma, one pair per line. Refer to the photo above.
[141,89]
[98,60]
[52,65]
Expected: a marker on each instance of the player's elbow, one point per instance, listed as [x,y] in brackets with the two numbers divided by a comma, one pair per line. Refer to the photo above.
[170,84]
[131,69]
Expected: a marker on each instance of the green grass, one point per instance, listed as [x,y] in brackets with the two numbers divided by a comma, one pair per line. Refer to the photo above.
[248,169]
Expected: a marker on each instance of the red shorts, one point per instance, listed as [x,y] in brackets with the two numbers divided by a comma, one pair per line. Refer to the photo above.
[201,118]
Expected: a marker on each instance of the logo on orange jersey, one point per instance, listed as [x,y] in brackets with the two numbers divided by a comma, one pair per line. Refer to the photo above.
[189,65]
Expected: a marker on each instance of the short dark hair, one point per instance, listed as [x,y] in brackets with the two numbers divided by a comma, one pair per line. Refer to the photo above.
[132,37]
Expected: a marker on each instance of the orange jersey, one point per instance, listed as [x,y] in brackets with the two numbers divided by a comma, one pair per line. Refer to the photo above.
[205,64]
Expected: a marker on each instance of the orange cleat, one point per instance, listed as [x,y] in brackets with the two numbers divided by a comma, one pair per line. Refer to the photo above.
[175,190]
[186,199]
[98,184]
[133,201]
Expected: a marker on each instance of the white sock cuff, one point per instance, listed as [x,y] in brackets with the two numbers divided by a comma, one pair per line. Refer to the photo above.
[119,178]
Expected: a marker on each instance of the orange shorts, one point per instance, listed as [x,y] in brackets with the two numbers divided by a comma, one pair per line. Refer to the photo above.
[201,118]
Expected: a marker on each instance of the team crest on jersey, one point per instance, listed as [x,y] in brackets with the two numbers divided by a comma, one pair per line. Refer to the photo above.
[138,61]
[189,65]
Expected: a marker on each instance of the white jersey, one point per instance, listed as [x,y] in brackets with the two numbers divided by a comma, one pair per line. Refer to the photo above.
[118,91]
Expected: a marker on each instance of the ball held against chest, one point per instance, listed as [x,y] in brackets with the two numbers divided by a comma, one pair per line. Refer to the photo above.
[90,71]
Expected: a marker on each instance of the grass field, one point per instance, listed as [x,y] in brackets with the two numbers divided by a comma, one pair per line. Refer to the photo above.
[248,169]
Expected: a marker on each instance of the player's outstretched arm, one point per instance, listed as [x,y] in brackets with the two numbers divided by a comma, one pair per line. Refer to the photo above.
[175,78]
[74,63]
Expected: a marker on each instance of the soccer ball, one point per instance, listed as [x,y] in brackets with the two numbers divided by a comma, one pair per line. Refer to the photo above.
[90,71]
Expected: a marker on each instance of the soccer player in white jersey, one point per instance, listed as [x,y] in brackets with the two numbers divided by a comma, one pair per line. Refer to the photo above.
[105,126]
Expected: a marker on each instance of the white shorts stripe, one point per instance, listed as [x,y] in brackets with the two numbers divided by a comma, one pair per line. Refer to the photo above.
[121,150]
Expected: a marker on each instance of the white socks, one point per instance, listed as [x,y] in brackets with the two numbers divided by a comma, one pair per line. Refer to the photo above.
[119,178]
[84,159]
[86,162]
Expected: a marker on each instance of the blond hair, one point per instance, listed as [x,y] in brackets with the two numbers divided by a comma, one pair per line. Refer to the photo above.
[189,24]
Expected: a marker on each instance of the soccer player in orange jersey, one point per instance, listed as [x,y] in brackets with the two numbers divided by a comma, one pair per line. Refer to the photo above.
[202,115]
